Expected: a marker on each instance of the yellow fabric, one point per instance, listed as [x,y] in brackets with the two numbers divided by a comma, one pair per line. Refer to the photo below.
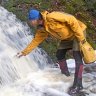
[61,26]
[39,37]
[64,26]
[88,53]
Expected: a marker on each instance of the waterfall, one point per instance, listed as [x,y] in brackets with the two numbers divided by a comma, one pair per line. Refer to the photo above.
[14,37]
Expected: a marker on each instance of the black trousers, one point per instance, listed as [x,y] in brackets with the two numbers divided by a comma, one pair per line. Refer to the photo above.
[61,53]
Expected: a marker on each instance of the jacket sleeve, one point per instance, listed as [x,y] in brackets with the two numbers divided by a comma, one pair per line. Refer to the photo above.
[71,21]
[41,34]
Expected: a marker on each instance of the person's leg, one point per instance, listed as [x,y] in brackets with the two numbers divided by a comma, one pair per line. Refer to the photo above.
[77,84]
[78,69]
[60,54]
[78,63]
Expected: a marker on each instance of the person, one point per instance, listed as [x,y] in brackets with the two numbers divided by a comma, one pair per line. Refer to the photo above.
[69,30]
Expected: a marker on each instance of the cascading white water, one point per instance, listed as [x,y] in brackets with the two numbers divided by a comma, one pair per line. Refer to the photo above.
[14,36]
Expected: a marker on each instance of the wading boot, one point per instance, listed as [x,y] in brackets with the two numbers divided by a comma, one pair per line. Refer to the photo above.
[77,87]
[63,67]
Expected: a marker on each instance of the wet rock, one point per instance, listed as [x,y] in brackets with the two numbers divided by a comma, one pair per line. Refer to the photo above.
[88,77]
[93,89]
[94,68]
[88,69]
[88,80]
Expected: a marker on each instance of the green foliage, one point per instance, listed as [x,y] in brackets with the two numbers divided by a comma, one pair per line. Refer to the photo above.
[50,47]
[9,5]
[22,1]
[37,1]
[45,6]
[94,5]
[70,9]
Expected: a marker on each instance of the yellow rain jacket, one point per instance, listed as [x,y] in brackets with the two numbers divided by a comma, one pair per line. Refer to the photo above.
[60,25]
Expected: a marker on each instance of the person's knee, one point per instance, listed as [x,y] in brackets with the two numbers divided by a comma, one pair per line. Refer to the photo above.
[77,56]
[60,54]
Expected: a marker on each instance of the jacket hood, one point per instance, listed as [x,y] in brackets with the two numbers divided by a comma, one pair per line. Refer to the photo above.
[44,14]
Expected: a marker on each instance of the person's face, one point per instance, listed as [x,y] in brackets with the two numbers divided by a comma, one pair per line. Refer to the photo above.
[33,23]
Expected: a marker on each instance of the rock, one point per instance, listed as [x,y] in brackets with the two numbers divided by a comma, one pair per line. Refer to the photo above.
[93,89]
[94,68]
[88,69]
[88,77]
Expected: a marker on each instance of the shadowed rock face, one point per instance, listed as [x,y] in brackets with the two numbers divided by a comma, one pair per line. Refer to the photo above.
[90,68]
[0,1]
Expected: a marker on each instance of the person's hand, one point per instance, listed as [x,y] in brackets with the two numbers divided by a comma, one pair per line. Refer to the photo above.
[19,54]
